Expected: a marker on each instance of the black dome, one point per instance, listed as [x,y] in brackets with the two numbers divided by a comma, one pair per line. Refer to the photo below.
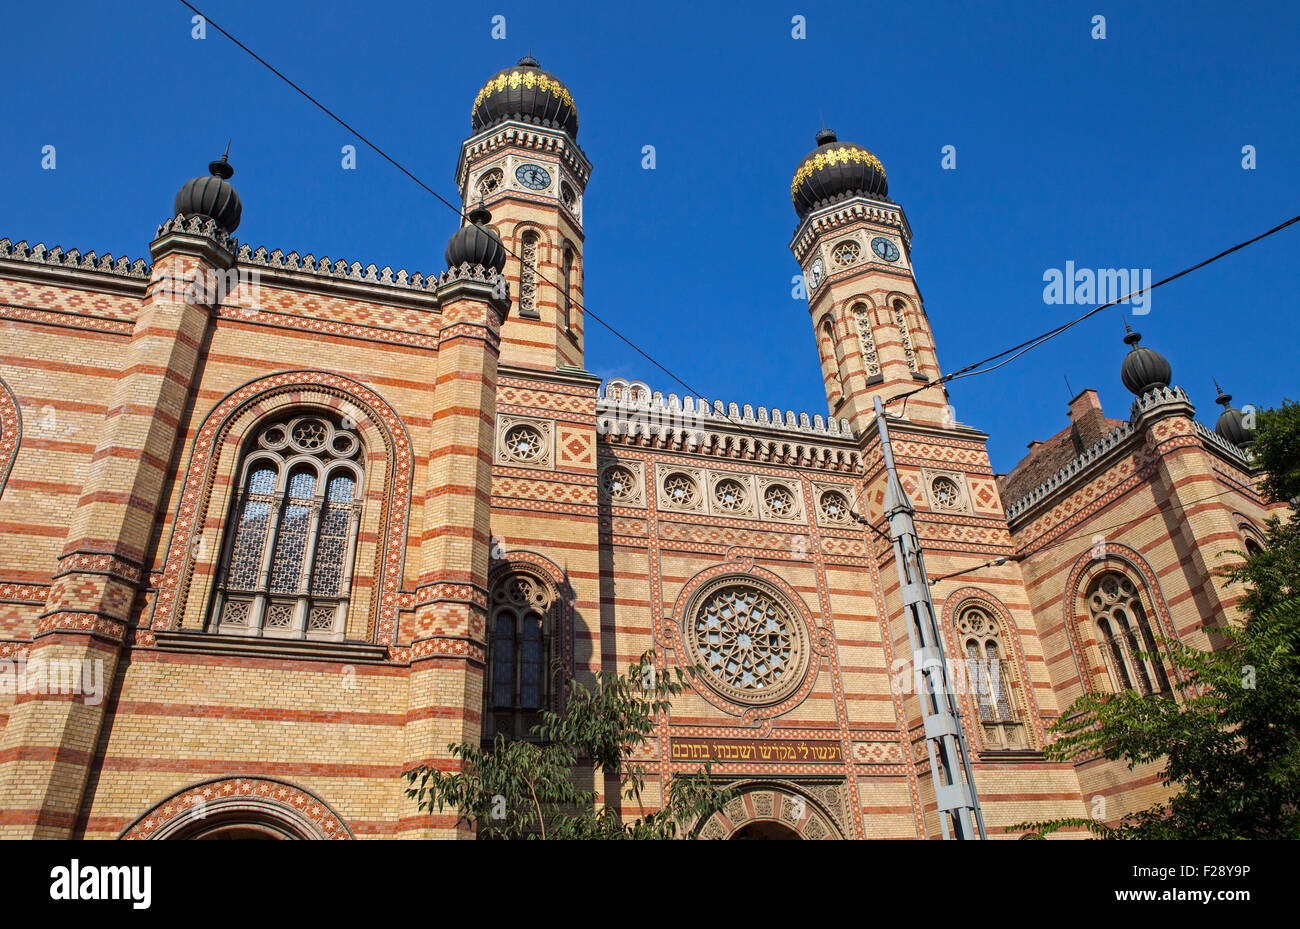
[528,93]
[211,196]
[476,244]
[1232,424]
[1143,368]
[835,170]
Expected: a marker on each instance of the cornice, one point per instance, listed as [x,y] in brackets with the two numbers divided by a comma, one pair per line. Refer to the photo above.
[517,134]
[1113,445]
[570,376]
[338,275]
[845,213]
[693,426]
[72,268]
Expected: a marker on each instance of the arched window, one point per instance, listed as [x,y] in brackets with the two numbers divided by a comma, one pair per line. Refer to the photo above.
[528,275]
[520,631]
[291,540]
[566,301]
[904,333]
[1124,635]
[870,361]
[11,430]
[831,352]
[990,677]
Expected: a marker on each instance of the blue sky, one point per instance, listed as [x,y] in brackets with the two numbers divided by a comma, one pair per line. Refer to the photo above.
[1123,152]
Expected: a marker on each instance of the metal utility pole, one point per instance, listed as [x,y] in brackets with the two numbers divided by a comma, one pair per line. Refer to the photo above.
[954,784]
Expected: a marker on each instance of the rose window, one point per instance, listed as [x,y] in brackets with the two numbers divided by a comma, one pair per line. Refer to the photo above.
[490,182]
[730,496]
[846,253]
[619,483]
[779,501]
[523,443]
[945,492]
[680,490]
[835,507]
[750,643]
[310,434]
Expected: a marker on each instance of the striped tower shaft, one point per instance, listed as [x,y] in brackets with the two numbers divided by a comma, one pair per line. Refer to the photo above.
[1197,512]
[448,645]
[954,783]
[48,746]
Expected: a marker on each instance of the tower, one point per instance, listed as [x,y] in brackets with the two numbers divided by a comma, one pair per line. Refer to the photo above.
[523,162]
[854,244]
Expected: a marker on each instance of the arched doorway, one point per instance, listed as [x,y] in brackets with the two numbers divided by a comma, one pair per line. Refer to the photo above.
[765,831]
[240,808]
[775,810]
[241,831]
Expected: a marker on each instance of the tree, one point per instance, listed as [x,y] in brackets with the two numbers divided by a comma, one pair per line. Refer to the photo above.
[519,789]
[1230,743]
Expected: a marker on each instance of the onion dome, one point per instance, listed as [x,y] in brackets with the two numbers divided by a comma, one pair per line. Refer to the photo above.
[211,196]
[1143,368]
[1232,422]
[528,93]
[835,170]
[476,244]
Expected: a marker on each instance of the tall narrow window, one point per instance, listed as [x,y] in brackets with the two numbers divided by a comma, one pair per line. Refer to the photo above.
[870,361]
[830,351]
[528,275]
[989,677]
[519,656]
[566,299]
[287,566]
[904,333]
[1128,645]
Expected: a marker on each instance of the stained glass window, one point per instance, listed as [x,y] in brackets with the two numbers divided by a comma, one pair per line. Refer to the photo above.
[332,539]
[518,656]
[990,677]
[286,570]
[1128,645]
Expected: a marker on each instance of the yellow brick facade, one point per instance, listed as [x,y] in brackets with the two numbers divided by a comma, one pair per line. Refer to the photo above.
[126,414]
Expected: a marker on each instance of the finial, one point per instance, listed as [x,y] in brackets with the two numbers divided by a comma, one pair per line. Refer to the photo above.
[222,168]
[1222,399]
[479,216]
[826,136]
[528,61]
[1132,338]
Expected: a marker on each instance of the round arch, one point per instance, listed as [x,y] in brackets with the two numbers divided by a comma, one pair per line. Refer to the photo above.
[771,810]
[193,552]
[1109,556]
[240,807]
[953,604]
[11,432]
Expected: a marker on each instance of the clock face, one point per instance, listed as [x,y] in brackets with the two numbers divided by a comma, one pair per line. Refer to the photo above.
[534,177]
[884,248]
[815,274]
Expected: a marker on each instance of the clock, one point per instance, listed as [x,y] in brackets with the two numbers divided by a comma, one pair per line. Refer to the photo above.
[815,274]
[884,248]
[534,177]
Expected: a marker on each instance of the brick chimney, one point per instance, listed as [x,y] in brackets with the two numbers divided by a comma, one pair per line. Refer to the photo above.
[1087,421]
